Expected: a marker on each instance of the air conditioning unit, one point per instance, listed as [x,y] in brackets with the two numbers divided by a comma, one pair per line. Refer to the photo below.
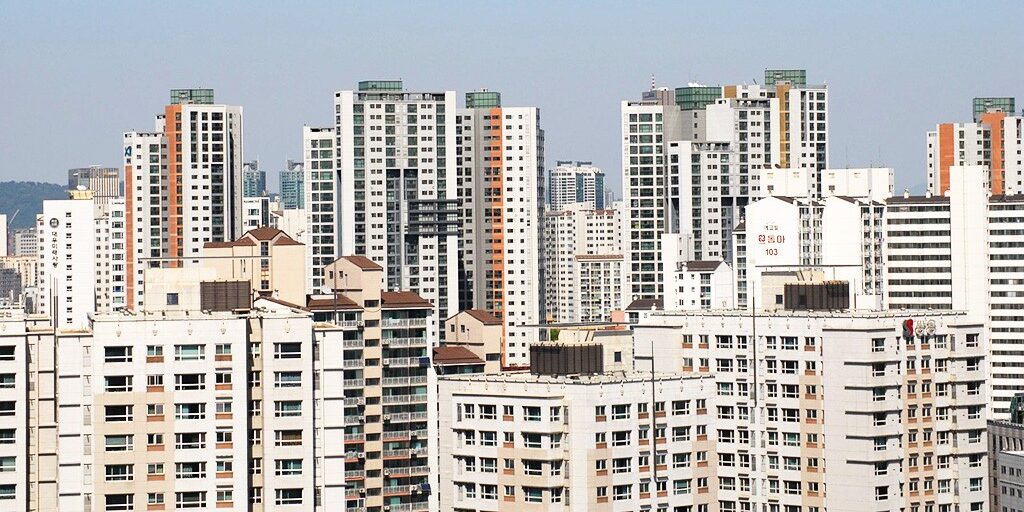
[360,401]
[361,455]
[414,488]
[387,417]
[387,507]
[387,472]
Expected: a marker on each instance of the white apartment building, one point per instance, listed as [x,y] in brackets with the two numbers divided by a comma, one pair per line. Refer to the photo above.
[396,192]
[322,207]
[256,212]
[647,128]
[874,183]
[500,186]
[840,235]
[698,284]
[605,442]
[838,411]
[582,262]
[82,258]
[576,182]
[3,235]
[994,140]
[183,184]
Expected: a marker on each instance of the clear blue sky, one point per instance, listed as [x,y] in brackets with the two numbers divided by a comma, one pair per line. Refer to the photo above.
[75,76]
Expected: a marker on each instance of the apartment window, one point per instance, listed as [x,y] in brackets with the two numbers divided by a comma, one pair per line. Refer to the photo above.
[118,413]
[7,464]
[288,467]
[533,467]
[621,438]
[172,299]
[622,492]
[187,470]
[488,412]
[287,350]
[189,440]
[196,499]
[7,353]
[531,413]
[288,497]
[555,413]
[533,495]
[155,498]
[112,501]
[118,472]
[189,352]
[531,440]
[154,439]
[287,379]
[117,354]
[190,411]
[287,437]
[620,412]
[156,468]
[287,408]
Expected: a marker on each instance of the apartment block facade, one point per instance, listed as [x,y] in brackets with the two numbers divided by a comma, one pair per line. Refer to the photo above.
[500,192]
[576,182]
[617,441]
[583,264]
[836,411]
[994,140]
[183,184]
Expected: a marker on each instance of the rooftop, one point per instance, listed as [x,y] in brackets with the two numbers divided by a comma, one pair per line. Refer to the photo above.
[403,300]
[645,304]
[454,355]
[362,262]
[484,317]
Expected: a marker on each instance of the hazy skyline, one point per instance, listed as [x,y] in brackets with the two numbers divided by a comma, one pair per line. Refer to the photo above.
[75,77]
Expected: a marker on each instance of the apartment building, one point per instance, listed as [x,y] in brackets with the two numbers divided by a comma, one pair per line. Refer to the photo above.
[841,236]
[171,409]
[479,332]
[874,183]
[819,410]
[25,242]
[1005,233]
[589,442]
[994,140]
[648,126]
[1006,468]
[254,182]
[500,188]
[104,182]
[321,196]
[576,182]
[82,253]
[584,265]
[292,183]
[272,261]
[388,337]
[183,184]
[699,284]
[396,189]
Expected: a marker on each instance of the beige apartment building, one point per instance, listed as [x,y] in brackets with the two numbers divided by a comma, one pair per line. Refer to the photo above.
[267,257]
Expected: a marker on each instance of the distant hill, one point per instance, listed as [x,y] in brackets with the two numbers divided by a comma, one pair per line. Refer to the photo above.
[27,196]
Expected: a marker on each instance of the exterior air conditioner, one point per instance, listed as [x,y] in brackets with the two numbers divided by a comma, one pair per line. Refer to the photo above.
[387,472]
[414,488]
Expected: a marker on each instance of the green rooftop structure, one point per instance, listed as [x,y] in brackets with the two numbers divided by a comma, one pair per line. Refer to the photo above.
[380,85]
[996,104]
[795,77]
[696,97]
[191,96]
[483,99]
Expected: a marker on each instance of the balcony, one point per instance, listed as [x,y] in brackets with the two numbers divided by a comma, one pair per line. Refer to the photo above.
[404,322]
[404,342]
[404,399]
[404,381]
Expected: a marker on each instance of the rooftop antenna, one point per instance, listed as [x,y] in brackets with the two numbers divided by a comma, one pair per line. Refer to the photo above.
[653,86]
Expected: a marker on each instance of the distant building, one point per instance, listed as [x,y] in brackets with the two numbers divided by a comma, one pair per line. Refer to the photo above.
[256,212]
[254,183]
[293,189]
[994,140]
[104,182]
[1006,464]
[576,182]
[271,260]
[24,242]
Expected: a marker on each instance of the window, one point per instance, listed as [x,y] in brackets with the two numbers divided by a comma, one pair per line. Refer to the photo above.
[189,440]
[287,467]
[118,472]
[122,442]
[287,437]
[114,501]
[186,470]
[172,299]
[189,381]
[287,408]
[190,411]
[287,350]
[533,495]
[155,498]
[117,354]
[288,497]
[190,499]
[154,351]
[531,413]
[117,383]
[881,492]
[118,413]
[154,439]
[620,412]
[531,440]
[189,353]
[622,492]
[287,379]
[7,464]
[156,468]
[621,438]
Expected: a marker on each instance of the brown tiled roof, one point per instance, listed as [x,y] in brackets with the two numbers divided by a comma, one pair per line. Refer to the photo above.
[741,227]
[362,262]
[329,303]
[645,305]
[483,316]
[264,234]
[699,265]
[403,300]
[455,355]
